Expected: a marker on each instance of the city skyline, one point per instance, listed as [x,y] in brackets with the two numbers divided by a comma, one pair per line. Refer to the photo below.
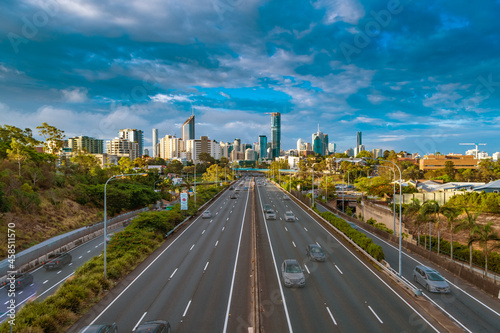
[411,76]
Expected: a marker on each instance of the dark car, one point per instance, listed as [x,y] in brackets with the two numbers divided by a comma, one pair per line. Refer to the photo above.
[100,328]
[57,260]
[155,326]
[21,280]
[232,196]
[314,252]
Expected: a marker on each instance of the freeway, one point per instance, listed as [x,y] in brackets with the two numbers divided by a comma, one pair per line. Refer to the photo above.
[474,310]
[341,294]
[193,280]
[45,283]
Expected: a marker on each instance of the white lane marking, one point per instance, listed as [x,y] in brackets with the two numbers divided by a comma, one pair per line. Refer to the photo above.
[19,293]
[318,244]
[204,269]
[135,327]
[80,257]
[6,302]
[216,243]
[223,228]
[235,266]
[289,323]
[230,212]
[449,315]
[281,218]
[369,307]
[294,244]
[210,221]
[175,271]
[339,269]
[227,219]
[88,251]
[331,316]
[59,272]
[449,282]
[44,282]
[96,246]
[307,269]
[187,307]
[216,213]
[70,264]
[203,231]
[305,229]
[191,247]
[286,229]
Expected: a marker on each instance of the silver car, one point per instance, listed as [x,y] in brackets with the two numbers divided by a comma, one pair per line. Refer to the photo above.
[206,214]
[430,279]
[289,216]
[314,252]
[292,273]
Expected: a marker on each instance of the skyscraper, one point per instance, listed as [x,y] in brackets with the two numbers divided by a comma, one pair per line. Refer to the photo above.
[275,134]
[320,143]
[188,129]
[155,142]
[134,135]
[263,146]
[359,141]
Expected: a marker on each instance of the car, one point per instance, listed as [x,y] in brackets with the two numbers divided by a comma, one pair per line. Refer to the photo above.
[206,214]
[100,328]
[108,237]
[232,196]
[315,252]
[289,216]
[154,326]
[57,260]
[231,188]
[270,214]
[430,279]
[292,273]
[20,280]
[286,197]
[267,207]
[245,188]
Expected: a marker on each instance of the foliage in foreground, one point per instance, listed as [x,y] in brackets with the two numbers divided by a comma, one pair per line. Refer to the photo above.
[357,237]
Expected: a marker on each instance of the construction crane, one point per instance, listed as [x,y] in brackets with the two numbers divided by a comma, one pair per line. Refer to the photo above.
[473,144]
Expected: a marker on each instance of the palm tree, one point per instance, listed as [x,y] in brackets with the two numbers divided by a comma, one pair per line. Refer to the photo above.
[484,234]
[451,213]
[468,223]
[430,208]
[412,212]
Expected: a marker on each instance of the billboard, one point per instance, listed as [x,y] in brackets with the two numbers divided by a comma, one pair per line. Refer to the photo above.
[184,201]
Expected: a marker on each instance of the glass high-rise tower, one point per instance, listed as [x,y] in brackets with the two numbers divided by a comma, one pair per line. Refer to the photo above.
[188,129]
[275,134]
[359,141]
[263,146]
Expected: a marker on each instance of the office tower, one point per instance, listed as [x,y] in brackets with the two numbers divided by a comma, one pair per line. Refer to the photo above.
[170,147]
[85,143]
[275,134]
[155,142]
[263,146]
[134,135]
[188,129]
[301,146]
[377,153]
[249,154]
[332,148]
[359,141]
[320,143]
[237,145]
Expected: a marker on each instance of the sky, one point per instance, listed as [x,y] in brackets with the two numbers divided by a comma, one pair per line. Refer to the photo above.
[420,76]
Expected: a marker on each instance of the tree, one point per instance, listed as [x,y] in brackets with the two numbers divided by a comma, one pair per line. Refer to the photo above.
[414,212]
[18,153]
[125,164]
[85,161]
[206,158]
[449,169]
[469,223]
[54,138]
[451,213]
[484,234]
[431,209]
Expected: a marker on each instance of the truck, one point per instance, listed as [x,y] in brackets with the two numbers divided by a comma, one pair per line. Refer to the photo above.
[57,260]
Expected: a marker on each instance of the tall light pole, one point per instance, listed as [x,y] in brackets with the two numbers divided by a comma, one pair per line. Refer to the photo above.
[313,184]
[106,213]
[400,204]
[194,181]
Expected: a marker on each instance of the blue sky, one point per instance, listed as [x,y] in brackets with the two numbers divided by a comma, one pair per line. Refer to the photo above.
[420,76]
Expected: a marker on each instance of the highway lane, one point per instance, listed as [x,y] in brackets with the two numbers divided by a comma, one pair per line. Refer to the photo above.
[189,283]
[45,283]
[474,309]
[341,294]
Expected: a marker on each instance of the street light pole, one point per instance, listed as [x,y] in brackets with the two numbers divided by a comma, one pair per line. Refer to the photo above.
[194,181]
[106,213]
[313,184]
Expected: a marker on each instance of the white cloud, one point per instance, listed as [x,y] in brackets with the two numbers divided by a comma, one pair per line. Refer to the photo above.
[75,95]
[349,11]
[162,98]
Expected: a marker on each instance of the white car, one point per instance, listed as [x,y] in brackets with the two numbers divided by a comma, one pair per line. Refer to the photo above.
[206,214]
[289,216]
